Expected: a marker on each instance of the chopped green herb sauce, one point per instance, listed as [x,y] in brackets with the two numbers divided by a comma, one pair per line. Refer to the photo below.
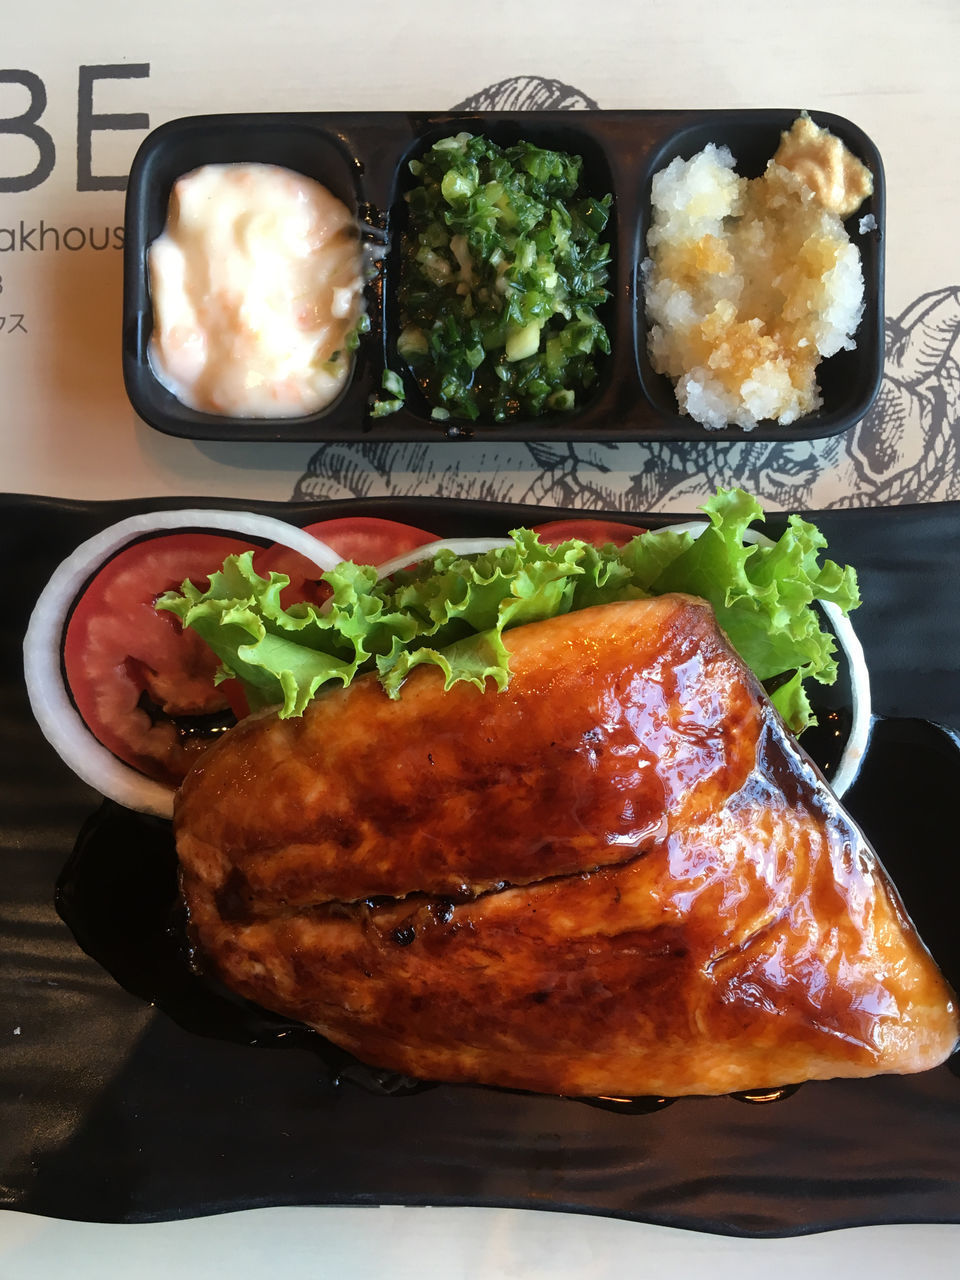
[502,269]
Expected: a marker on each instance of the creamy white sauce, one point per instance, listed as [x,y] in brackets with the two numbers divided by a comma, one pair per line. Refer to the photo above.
[256,284]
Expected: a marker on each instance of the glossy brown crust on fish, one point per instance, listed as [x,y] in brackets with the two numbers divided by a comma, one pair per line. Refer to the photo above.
[620,876]
[458,791]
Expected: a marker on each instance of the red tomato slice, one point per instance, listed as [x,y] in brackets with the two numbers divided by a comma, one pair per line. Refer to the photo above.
[598,532]
[363,539]
[131,670]
[369,539]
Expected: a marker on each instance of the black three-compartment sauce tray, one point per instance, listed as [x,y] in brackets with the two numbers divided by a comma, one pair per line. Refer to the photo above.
[363,159]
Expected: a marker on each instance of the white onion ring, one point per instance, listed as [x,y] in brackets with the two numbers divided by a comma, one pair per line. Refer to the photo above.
[849,642]
[59,721]
[459,546]
[856,745]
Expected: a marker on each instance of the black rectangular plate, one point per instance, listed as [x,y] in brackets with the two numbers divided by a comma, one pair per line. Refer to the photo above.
[111,1111]
[362,156]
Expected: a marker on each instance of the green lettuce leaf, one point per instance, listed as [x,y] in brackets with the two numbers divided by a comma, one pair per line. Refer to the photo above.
[763,596]
[451,611]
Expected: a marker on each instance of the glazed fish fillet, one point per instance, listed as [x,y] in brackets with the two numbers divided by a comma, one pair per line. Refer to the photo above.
[618,877]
